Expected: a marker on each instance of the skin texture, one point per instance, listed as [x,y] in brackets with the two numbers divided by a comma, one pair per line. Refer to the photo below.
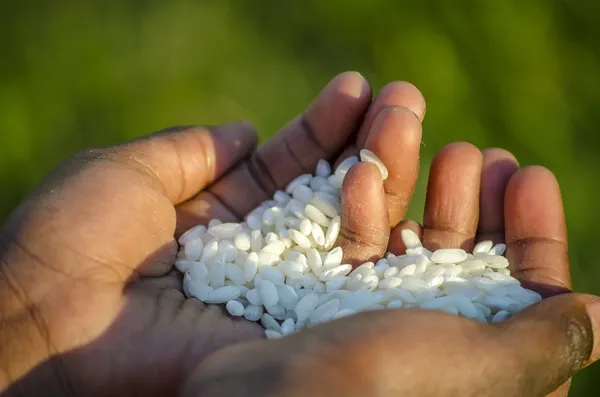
[90,304]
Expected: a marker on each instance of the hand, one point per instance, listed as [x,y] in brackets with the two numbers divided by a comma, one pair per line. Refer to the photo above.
[471,196]
[89,303]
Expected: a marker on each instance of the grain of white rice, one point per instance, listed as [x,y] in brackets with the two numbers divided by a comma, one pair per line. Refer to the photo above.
[300,180]
[235,274]
[287,296]
[323,169]
[299,238]
[341,270]
[317,234]
[293,270]
[272,273]
[449,255]
[391,282]
[196,288]
[288,326]
[268,293]
[256,240]
[193,249]
[225,230]
[306,305]
[332,233]
[303,194]
[335,181]
[269,322]
[281,197]
[502,315]
[267,259]
[214,222]
[335,284]
[315,215]
[275,247]
[493,261]
[317,183]
[223,294]
[497,249]
[319,287]
[369,156]
[326,203]
[270,334]
[235,308]
[343,168]
[253,312]
[325,312]
[191,234]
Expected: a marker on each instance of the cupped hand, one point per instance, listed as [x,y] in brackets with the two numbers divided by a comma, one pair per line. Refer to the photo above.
[472,196]
[89,301]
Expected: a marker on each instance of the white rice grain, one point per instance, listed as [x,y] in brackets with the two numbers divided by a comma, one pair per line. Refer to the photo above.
[235,308]
[369,156]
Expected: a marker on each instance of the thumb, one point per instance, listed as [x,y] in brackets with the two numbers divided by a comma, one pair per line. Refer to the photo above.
[183,161]
[553,340]
[115,205]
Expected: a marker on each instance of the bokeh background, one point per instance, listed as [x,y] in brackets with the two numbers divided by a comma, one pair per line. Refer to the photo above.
[524,75]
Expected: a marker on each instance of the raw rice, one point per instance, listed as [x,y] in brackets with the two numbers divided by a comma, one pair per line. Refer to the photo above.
[280,267]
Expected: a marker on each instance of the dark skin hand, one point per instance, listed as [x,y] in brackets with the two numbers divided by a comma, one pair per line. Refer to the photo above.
[90,304]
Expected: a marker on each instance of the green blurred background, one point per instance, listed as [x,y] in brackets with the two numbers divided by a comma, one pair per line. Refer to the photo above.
[524,75]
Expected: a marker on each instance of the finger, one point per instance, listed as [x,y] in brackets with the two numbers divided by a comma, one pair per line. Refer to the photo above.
[452,203]
[396,245]
[364,231]
[320,132]
[127,192]
[553,340]
[396,139]
[536,231]
[182,161]
[398,93]
[498,166]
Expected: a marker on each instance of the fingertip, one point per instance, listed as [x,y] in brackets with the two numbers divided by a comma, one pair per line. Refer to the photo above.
[493,155]
[394,116]
[239,134]
[498,167]
[464,150]
[397,93]
[534,177]
[362,180]
[352,84]
[534,206]
[405,94]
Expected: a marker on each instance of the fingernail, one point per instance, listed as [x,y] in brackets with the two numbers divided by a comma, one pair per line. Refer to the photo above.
[593,311]
[352,84]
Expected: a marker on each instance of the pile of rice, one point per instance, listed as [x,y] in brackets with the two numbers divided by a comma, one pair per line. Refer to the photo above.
[280,266]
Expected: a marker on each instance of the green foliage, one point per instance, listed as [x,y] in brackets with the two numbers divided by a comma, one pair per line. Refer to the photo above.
[523,75]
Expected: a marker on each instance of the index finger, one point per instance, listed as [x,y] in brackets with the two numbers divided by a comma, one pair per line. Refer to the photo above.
[320,132]
[536,231]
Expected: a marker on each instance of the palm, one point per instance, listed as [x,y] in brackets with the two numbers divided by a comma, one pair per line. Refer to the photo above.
[129,329]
